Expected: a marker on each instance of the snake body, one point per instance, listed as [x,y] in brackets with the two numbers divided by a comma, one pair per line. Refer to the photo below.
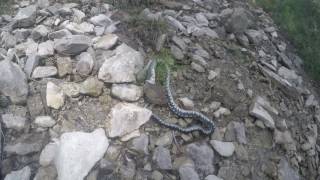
[177,110]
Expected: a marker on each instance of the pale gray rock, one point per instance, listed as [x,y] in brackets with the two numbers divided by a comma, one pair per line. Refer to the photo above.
[179,42]
[78,15]
[44,121]
[46,49]
[43,3]
[140,144]
[254,36]
[209,32]
[198,68]
[46,173]
[177,25]
[22,174]
[202,19]
[13,82]
[13,122]
[212,177]
[176,52]
[85,64]
[32,62]
[259,112]
[165,139]
[188,173]
[54,96]
[78,152]
[202,156]
[59,34]
[23,148]
[8,40]
[82,28]
[44,72]
[91,86]
[285,172]
[101,20]
[31,47]
[25,17]
[225,149]
[162,158]
[122,67]
[38,32]
[290,75]
[64,66]
[126,92]
[106,42]
[48,154]
[71,89]
[187,103]
[124,118]
[72,45]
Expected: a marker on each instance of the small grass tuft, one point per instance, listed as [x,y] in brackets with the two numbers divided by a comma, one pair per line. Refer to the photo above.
[148,31]
[164,58]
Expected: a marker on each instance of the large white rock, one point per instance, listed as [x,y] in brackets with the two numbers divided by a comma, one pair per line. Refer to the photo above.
[78,152]
[225,149]
[46,49]
[125,118]
[55,96]
[48,154]
[22,174]
[126,92]
[122,66]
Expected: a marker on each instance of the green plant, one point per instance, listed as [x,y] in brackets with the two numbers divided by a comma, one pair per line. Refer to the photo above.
[300,19]
[164,58]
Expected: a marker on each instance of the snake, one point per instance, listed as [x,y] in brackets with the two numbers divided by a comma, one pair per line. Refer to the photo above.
[205,121]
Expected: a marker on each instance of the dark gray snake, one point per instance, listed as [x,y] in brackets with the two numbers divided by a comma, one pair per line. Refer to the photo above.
[205,121]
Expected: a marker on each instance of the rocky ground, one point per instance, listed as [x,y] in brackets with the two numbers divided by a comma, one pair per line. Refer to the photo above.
[73,104]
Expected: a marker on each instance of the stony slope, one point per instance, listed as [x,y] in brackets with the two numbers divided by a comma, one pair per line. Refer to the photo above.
[73,105]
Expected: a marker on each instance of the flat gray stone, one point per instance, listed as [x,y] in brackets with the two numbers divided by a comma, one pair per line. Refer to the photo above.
[285,172]
[23,148]
[64,66]
[32,62]
[106,42]
[72,45]
[100,20]
[126,92]
[44,121]
[59,34]
[44,72]
[48,154]
[140,144]
[225,149]
[43,3]
[259,112]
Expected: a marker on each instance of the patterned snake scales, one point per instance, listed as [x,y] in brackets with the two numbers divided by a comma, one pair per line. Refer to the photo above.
[205,121]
